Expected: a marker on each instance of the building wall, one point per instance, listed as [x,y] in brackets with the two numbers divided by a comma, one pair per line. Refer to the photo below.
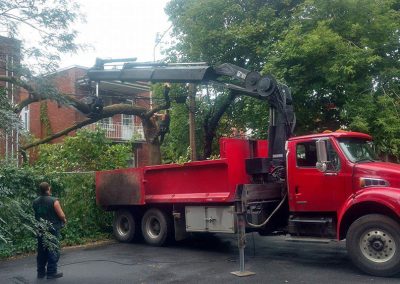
[58,117]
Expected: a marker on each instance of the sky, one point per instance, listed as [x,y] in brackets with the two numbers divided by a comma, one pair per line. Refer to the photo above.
[119,29]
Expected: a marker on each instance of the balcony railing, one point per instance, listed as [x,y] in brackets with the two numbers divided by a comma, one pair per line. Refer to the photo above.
[119,131]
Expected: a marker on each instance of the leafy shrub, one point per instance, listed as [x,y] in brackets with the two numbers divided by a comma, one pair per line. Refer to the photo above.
[87,151]
[18,188]
[85,219]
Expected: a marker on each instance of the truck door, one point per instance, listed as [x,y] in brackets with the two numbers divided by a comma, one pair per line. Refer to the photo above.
[309,189]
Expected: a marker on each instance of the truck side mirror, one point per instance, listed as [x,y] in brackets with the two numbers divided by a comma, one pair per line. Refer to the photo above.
[322,156]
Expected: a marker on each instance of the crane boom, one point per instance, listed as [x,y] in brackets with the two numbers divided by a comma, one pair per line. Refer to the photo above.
[250,83]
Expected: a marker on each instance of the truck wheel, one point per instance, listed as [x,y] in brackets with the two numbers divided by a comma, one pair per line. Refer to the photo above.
[373,243]
[124,226]
[156,227]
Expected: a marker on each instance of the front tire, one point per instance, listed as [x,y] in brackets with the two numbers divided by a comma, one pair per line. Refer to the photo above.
[373,244]
[124,226]
[156,227]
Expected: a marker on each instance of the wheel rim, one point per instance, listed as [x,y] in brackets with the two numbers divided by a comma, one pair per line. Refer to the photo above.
[153,227]
[123,226]
[378,246]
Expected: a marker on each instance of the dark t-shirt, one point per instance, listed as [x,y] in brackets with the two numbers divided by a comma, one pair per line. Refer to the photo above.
[44,208]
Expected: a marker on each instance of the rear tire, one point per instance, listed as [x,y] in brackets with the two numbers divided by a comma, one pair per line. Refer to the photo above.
[156,227]
[373,244]
[124,226]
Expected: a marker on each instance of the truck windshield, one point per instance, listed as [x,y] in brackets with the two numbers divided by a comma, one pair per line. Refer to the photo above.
[357,150]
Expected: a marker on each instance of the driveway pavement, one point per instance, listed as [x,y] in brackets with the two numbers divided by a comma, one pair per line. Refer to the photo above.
[207,259]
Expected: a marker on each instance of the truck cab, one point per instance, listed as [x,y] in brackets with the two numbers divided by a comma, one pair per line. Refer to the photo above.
[337,188]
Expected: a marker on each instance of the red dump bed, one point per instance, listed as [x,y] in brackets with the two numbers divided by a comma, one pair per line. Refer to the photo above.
[195,182]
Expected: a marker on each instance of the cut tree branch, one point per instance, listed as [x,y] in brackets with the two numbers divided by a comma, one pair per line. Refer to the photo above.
[107,112]
[167,104]
[36,97]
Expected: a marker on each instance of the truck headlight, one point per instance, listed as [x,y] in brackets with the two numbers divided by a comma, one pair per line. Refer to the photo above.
[371,182]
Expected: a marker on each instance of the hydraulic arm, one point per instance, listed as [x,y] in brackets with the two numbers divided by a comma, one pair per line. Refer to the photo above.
[232,77]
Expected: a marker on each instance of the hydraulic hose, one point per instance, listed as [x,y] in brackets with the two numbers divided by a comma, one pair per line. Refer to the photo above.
[269,217]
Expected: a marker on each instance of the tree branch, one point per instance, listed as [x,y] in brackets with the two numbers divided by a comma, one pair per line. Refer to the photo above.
[24,21]
[16,81]
[36,97]
[107,112]
[167,104]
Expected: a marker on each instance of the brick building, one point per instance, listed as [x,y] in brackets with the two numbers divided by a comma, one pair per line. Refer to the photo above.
[47,117]
[44,118]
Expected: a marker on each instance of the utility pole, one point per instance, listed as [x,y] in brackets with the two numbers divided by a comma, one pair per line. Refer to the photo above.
[192,123]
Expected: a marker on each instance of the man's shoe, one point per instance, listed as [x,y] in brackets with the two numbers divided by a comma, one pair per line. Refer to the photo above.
[55,275]
[41,275]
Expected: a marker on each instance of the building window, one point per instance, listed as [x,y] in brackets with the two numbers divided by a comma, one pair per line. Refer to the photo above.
[107,120]
[25,118]
[127,119]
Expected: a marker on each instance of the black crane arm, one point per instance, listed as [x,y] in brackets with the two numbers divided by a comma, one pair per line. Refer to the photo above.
[282,118]
[252,82]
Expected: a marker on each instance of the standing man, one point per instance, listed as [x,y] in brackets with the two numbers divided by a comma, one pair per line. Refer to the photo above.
[164,125]
[48,208]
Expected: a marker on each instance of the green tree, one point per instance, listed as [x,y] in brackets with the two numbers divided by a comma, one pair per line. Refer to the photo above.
[42,30]
[18,227]
[232,31]
[379,115]
[342,61]
[47,26]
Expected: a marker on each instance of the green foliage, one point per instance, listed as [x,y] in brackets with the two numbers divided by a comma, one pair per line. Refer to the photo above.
[18,188]
[184,159]
[368,117]
[85,219]
[233,31]
[174,148]
[248,113]
[8,119]
[18,225]
[341,59]
[177,140]
[48,24]
[44,118]
[87,151]
[218,31]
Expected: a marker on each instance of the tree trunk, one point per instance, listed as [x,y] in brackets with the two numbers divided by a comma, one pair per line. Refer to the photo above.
[208,141]
[211,124]
[151,135]
[154,152]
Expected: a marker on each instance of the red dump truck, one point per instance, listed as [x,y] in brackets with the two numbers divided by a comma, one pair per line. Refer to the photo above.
[327,185]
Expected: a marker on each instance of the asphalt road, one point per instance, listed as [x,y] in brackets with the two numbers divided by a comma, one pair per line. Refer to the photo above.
[199,260]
